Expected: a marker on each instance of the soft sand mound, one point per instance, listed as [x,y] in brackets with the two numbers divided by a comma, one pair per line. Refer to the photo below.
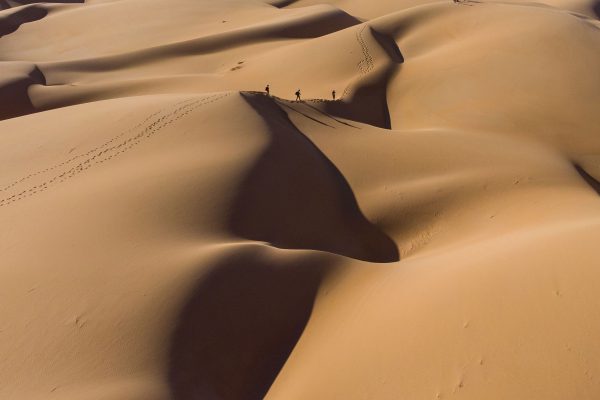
[170,233]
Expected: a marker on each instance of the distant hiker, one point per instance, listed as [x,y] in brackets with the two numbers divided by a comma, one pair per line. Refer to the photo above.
[268,90]
[333,94]
[298,95]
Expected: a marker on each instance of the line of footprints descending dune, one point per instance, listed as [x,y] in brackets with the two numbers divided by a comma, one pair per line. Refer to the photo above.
[110,149]
[365,65]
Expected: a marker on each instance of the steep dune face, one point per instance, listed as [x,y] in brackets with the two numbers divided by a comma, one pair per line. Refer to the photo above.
[171,232]
[318,212]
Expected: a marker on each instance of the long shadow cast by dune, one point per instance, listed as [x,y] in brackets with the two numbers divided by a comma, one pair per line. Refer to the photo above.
[323,113]
[241,324]
[589,179]
[294,109]
[369,102]
[295,198]
[12,22]
[15,98]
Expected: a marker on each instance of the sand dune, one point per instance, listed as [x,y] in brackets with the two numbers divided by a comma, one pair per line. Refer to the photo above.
[171,232]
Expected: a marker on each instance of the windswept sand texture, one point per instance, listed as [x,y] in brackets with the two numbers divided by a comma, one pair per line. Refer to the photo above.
[169,232]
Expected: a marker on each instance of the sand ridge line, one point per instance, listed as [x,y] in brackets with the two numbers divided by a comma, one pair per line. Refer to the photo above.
[105,155]
[123,133]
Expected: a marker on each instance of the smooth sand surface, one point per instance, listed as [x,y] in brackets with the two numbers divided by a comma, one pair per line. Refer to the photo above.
[168,231]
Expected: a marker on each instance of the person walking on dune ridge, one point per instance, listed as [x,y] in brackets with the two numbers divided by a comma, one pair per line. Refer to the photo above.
[268,90]
[333,94]
[298,95]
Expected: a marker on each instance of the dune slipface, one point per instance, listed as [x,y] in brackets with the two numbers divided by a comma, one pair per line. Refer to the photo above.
[169,231]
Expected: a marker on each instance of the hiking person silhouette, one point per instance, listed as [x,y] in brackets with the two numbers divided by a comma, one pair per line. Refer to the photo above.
[333,94]
[268,90]
[298,95]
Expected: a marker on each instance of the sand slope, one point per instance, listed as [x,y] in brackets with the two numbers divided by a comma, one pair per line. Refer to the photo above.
[170,232]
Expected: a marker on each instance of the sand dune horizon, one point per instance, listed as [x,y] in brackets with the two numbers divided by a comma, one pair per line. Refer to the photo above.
[171,231]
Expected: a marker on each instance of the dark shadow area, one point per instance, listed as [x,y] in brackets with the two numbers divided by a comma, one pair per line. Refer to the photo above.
[389,45]
[4,4]
[12,22]
[295,197]
[283,3]
[367,105]
[589,179]
[596,9]
[14,96]
[240,325]
[369,101]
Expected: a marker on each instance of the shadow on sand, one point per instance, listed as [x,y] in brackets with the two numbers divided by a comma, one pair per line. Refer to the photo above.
[12,22]
[589,179]
[368,103]
[283,3]
[241,324]
[5,4]
[295,197]
[15,97]
[246,314]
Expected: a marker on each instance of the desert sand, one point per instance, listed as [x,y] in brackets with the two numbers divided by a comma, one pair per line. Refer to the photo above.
[168,231]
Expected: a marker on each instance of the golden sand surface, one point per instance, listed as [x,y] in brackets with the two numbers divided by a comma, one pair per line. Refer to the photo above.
[169,231]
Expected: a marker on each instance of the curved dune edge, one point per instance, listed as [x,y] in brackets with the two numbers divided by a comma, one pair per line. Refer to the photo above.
[171,232]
